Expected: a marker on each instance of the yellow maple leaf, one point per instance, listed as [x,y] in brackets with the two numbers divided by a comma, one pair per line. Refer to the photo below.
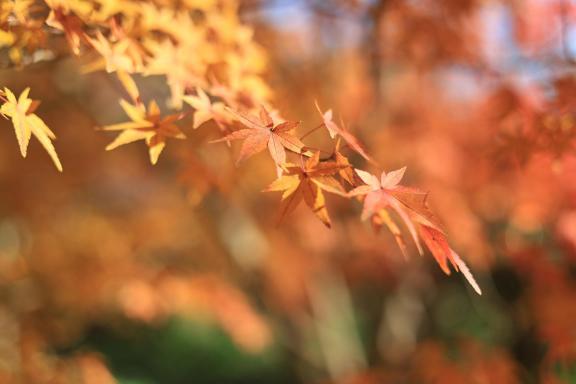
[122,55]
[147,125]
[205,109]
[21,9]
[307,182]
[5,10]
[27,123]
[6,39]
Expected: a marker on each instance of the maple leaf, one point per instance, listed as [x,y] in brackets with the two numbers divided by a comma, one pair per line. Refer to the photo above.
[205,110]
[308,182]
[26,123]
[64,15]
[262,133]
[173,61]
[124,54]
[130,86]
[347,171]
[108,8]
[6,8]
[411,206]
[335,130]
[148,125]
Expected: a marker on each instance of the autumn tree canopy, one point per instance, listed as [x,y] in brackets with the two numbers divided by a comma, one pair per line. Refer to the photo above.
[300,158]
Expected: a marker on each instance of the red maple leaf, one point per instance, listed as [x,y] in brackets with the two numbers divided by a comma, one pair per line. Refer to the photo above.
[262,133]
[411,206]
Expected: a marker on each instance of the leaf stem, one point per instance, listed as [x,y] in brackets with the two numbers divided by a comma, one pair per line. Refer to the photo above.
[311,131]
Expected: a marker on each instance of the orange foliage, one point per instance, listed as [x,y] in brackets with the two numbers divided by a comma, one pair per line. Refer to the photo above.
[472,101]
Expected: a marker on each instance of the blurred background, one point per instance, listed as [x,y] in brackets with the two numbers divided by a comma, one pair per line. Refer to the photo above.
[119,272]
